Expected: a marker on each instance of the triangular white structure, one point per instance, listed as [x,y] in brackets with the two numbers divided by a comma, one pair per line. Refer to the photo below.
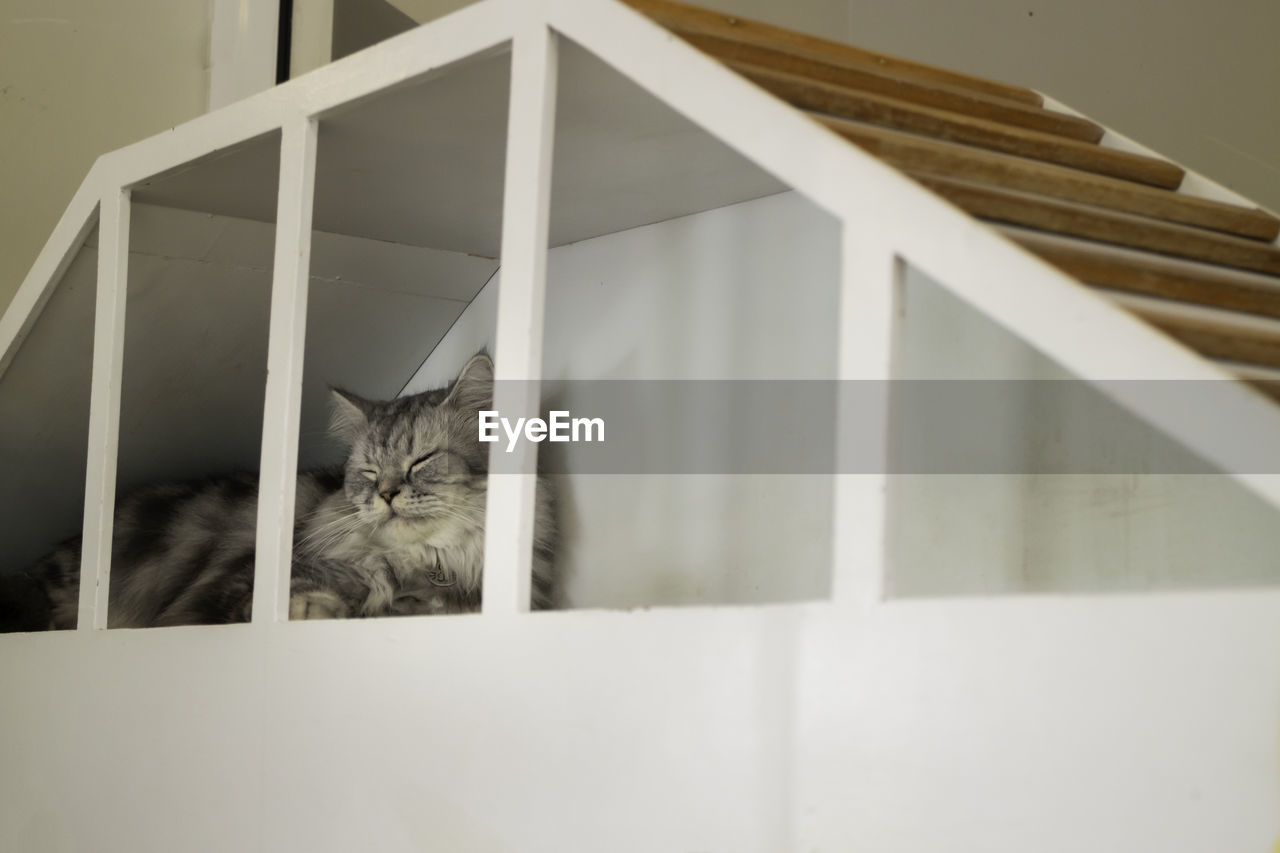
[857,722]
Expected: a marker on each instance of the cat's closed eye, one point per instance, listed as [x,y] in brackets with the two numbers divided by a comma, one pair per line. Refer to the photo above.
[440,466]
[417,465]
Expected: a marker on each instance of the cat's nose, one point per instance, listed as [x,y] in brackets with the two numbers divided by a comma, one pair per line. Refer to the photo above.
[388,494]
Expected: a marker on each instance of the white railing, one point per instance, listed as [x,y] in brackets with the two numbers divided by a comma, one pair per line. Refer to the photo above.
[887,221]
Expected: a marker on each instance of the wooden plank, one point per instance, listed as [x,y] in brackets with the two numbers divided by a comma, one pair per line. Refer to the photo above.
[880,82]
[685,18]
[920,155]
[1095,223]
[1263,379]
[1215,334]
[1155,275]
[940,124]
[1266,386]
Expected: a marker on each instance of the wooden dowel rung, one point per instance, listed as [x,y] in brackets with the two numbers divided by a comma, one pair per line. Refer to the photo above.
[1215,334]
[952,127]
[1094,223]
[904,88]
[680,17]
[1155,275]
[916,154]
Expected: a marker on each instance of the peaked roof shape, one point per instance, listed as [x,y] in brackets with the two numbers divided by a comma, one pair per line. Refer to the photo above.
[1053,176]
[1037,173]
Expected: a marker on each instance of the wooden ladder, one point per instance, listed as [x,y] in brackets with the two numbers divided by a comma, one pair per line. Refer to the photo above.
[1204,272]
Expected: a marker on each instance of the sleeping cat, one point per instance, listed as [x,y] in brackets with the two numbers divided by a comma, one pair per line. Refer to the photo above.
[398,530]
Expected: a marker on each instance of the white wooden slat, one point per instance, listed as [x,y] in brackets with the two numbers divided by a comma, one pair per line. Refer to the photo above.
[281,417]
[104,408]
[869,295]
[509,513]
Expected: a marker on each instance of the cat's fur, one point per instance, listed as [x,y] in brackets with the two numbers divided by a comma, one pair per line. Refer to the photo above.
[398,530]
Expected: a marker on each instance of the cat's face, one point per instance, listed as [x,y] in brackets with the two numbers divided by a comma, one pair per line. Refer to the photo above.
[417,470]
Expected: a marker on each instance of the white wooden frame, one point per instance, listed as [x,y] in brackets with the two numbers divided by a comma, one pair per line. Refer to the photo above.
[281,416]
[999,724]
[518,348]
[887,220]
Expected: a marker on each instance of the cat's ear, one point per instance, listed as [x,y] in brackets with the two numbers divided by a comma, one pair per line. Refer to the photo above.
[474,388]
[349,415]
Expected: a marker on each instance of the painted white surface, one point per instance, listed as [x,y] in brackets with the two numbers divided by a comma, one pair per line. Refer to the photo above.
[423,11]
[286,345]
[992,725]
[56,119]
[442,138]
[242,49]
[518,327]
[745,292]
[44,423]
[1104,724]
[1000,726]
[195,357]
[312,42]
[825,18]
[868,317]
[79,78]
[1156,528]
[114,213]
[1189,86]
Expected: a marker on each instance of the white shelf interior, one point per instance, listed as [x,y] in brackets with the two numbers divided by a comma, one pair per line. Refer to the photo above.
[422,164]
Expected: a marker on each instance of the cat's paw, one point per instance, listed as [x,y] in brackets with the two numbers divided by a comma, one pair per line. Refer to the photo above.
[382,593]
[419,605]
[317,604]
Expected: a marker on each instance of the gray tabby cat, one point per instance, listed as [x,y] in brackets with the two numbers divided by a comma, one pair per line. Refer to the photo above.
[398,530]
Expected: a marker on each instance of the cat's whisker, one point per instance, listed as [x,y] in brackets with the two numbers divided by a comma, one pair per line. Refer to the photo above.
[340,520]
[329,532]
[322,539]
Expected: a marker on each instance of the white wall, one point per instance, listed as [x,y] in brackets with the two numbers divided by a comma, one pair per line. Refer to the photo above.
[1005,726]
[1155,526]
[747,291]
[79,78]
